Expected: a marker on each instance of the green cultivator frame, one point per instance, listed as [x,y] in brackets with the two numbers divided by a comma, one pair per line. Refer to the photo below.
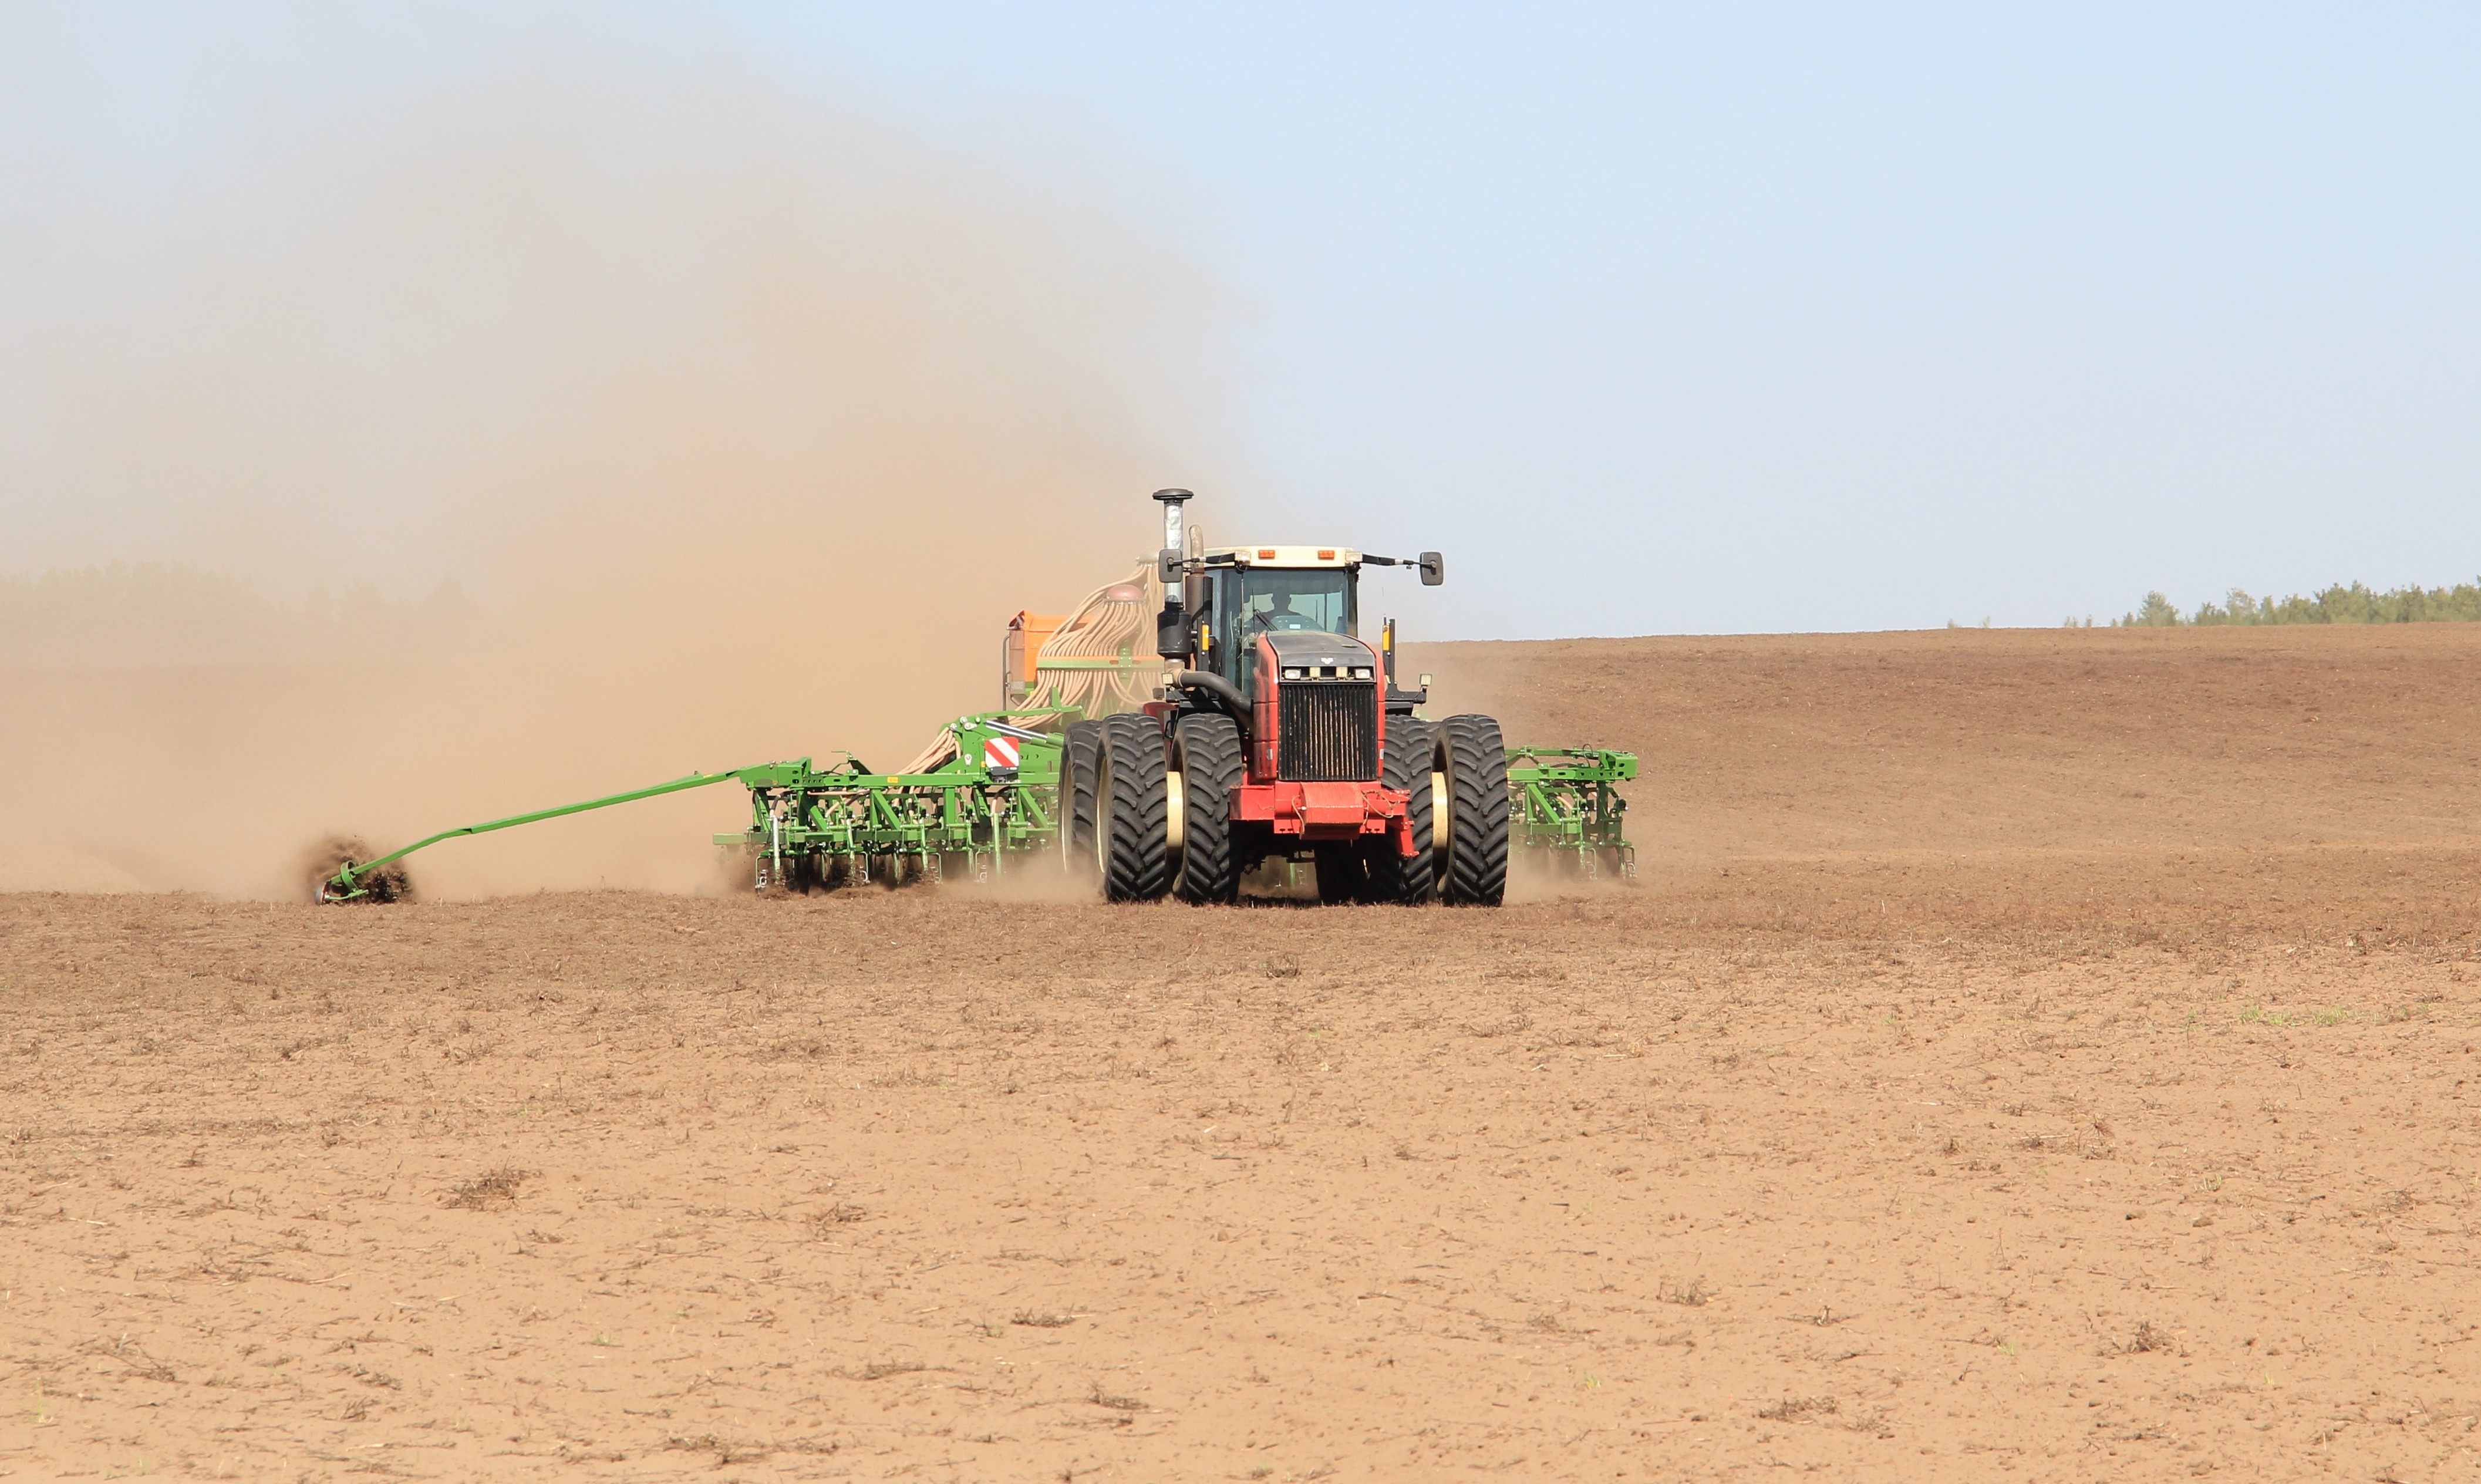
[993,799]
[1567,808]
[985,794]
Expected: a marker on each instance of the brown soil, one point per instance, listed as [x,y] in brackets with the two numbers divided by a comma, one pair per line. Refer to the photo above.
[2047,1056]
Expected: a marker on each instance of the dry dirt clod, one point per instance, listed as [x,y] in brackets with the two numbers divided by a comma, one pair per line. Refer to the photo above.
[492,1190]
[1043,1321]
[1792,1409]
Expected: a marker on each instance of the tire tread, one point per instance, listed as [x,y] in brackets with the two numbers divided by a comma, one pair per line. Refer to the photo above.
[1405,767]
[1476,779]
[1079,745]
[1136,863]
[1211,772]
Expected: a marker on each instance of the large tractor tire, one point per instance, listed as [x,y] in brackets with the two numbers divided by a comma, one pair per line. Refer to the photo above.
[1208,751]
[1131,801]
[1469,787]
[1080,748]
[1406,767]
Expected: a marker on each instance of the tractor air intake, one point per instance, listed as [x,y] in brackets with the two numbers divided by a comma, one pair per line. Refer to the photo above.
[1329,731]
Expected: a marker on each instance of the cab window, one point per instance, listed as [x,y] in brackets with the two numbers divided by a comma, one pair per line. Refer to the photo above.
[1320,600]
[1251,602]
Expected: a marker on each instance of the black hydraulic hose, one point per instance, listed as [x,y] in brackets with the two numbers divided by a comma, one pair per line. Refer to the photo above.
[1227,694]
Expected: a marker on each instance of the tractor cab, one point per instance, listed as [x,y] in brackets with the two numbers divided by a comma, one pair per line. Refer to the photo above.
[1239,594]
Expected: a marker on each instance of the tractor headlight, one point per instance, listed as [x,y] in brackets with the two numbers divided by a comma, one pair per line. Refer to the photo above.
[1361,673]
[1296,672]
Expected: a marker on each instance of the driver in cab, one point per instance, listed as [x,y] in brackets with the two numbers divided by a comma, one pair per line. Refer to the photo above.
[1279,615]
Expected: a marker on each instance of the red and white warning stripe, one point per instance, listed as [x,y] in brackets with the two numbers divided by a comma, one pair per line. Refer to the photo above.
[999,752]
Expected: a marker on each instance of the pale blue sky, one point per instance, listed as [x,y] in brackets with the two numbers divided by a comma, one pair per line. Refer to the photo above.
[1657,318]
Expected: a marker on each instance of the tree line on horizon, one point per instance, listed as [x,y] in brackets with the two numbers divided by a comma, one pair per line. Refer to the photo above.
[2353,603]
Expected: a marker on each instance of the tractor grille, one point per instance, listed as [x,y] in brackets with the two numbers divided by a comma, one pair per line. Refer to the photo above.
[1328,732]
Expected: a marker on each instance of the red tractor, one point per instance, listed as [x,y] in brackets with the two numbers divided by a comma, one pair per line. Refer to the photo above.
[1282,735]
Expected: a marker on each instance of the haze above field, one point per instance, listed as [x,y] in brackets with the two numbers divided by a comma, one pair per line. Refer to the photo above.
[1776,318]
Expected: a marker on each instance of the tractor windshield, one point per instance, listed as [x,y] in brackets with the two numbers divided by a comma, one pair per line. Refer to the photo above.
[1319,598]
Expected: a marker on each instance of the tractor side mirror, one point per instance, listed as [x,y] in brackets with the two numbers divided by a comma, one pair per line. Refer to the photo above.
[1167,564]
[1435,569]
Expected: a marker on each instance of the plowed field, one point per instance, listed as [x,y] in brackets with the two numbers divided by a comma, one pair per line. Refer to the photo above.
[2040,1056]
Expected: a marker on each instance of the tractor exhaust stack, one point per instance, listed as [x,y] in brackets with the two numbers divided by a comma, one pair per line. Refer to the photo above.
[1171,625]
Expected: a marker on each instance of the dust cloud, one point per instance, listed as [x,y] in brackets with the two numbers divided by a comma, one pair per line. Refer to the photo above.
[739,421]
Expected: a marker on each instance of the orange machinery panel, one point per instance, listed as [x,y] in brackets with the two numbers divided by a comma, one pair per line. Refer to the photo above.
[1026,634]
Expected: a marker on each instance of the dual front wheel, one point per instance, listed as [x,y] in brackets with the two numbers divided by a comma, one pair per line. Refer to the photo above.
[1117,793]
[1144,815]
[1454,774]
